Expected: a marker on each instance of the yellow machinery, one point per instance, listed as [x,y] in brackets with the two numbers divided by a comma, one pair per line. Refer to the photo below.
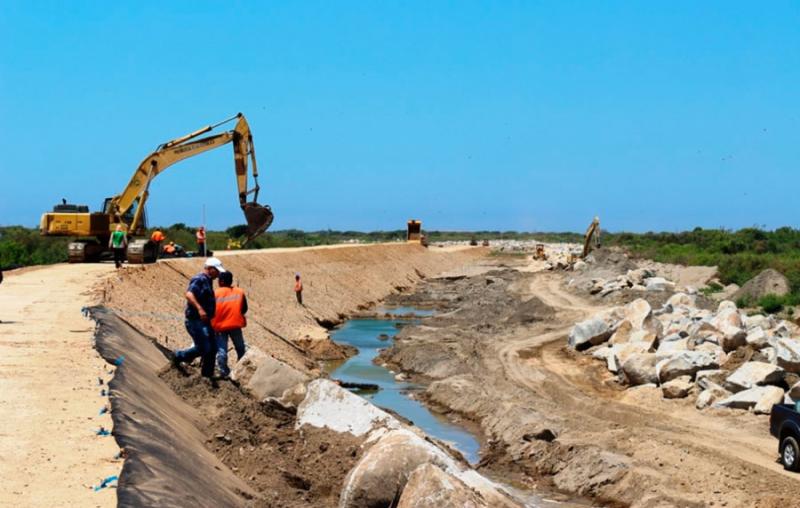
[414,233]
[592,233]
[128,208]
[539,252]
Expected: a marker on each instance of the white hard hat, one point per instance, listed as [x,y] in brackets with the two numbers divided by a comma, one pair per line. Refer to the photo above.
[214,263]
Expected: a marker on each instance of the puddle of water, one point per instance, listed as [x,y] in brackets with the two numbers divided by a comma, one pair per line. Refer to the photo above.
[363,334]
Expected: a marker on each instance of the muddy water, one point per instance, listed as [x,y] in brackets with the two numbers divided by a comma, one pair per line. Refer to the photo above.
[365,334]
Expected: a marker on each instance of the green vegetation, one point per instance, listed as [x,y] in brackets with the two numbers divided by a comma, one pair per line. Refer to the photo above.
[740,255]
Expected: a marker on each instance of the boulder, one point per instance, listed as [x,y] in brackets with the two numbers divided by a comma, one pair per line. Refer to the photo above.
[794,392]
[757,338]
[622,333]
[384,470]
[764,406]
[732,338]
[788,354]
[639,275]
[710,395]
[637,312]
[589,333]
[681,300]
[659,284]
[686,363]
[668,348]
[640,369]
[753,374]
[703,377]
[263,376]
[767,355]
[726,305]
[747,399]
[768,282]
[620,353]
[329,405]
[430,487]
[678,388]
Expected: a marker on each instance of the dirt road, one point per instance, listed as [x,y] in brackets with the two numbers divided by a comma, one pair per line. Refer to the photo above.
[50,398]
[556,417]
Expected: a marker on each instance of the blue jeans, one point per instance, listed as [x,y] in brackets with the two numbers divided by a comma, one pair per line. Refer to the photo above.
[203,337]
[222,348]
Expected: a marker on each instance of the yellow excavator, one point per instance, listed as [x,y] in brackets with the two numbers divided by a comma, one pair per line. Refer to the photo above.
[127,208]
[591,239]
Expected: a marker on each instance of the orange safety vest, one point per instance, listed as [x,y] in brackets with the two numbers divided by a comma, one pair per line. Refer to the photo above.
[228,315]
[157,236]
[201,236]
[298,286]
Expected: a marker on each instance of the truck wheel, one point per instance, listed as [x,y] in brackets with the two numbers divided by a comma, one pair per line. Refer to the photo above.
[790,454]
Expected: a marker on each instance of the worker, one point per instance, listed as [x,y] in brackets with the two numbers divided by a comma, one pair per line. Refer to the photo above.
[157,238]
[298,288]
[200,309]
[169,249]
[229,320]
[201,240]
[118,242]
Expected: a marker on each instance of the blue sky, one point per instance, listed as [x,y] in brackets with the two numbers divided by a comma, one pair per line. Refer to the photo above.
[468,115]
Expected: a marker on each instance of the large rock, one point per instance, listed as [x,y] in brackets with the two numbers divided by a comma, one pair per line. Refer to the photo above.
[768,282]
[758,338]
[686,363]
[710,395]
[659,284]
[637,312]
[640,369]
[794,392]
[430,487]
[384,469]
[729,322]
[788,354]
[589,333]
[682,300]
[263,376]
[329,405]
[678,388]
[761,396]
[619,353]
[753,374]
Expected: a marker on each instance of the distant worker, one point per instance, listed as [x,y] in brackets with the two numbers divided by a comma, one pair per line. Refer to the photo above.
[229,320]
[200,309]
[170,249]
[118,242]
[201,240]
[157,238]
[298,288]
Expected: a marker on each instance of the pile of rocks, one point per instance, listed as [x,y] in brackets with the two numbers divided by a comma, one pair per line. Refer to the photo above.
[640,279]
[723,358]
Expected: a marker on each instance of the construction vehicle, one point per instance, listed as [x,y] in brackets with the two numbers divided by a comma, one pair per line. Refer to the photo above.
[592,237]
[414,232]
[539,252]
[127,208]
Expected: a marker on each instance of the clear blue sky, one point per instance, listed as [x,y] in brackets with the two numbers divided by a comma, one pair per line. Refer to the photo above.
[501,115]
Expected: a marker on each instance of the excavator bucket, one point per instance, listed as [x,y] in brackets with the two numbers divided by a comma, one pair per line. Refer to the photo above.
[259,219]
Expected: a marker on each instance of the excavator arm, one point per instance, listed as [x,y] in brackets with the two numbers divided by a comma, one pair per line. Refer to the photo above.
[258,217]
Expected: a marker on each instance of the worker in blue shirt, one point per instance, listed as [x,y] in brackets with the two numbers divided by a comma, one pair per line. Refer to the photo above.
[200,309]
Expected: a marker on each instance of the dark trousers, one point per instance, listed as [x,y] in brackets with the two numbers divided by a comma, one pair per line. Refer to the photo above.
[299,295]
[204,346]
[119,256]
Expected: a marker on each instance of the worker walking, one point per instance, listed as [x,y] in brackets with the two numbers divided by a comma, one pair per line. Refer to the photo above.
[298,288]
[201,240]
[200,310]
[229,321]
[118,242]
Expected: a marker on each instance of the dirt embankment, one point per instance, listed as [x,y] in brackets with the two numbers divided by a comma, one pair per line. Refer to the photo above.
[496,353]
[337,281]
[168,423]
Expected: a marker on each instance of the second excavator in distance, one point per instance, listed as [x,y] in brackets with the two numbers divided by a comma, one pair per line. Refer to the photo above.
[127,209]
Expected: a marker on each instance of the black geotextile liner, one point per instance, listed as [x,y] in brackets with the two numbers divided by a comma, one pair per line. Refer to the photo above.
[167,463]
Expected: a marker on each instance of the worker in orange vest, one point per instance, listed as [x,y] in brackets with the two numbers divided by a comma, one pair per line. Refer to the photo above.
[298,288]
[229,320]
[157,238]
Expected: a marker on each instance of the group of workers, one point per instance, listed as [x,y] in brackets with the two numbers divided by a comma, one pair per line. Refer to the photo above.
[212,317]
[118,243]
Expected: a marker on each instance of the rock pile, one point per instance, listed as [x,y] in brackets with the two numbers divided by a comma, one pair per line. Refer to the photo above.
[724,358]
[641,279]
